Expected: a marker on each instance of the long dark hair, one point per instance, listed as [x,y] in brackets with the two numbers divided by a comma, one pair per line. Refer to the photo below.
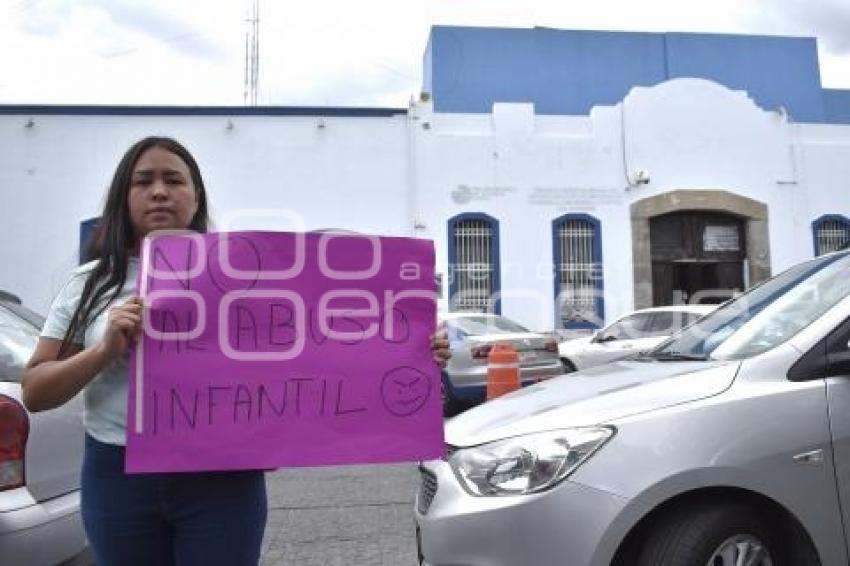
[113,240]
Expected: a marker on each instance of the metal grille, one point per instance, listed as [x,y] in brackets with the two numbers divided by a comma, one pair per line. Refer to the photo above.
[832,235]
[427,491]
[577,289]
[473,269]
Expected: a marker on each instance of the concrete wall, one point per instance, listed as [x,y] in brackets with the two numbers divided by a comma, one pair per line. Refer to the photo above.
[686,135]
[824,157]
[409,174]
[338,172]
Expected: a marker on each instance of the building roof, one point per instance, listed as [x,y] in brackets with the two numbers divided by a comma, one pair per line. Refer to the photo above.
[98,110]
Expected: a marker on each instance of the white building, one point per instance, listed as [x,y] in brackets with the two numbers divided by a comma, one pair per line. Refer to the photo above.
[556,216]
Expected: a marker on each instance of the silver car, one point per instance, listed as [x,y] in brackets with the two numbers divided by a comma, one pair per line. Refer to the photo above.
[631,334]
[40,457]
[729,444]
[471,336]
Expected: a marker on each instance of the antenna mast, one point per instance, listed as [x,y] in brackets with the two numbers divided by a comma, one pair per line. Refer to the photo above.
[252,54]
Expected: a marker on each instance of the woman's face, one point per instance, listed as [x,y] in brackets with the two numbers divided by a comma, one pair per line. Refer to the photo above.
[162,195]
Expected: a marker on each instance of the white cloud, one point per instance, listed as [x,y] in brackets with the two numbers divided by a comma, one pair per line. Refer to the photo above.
[829,20]
[327,51]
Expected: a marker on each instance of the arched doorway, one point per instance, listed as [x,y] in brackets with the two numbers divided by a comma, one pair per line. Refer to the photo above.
[697,257]
[703,207]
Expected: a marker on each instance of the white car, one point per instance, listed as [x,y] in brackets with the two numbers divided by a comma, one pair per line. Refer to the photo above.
[729,445]
[631,334]
[40,458]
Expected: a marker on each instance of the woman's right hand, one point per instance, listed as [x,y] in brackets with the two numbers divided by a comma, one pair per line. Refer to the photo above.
[49,381]
[123,326]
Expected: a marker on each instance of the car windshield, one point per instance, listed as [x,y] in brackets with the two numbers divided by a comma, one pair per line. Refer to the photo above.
[484,325]
[767,315]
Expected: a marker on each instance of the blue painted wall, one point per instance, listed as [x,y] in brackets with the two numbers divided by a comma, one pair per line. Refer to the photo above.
[471,68]
[836,106]
[775,71]
[569,72]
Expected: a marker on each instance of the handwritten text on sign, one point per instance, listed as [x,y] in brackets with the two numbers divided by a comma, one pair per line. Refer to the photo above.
[272,349]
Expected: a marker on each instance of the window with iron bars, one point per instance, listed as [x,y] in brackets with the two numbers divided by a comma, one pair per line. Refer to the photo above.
[473,256]
[831,233]
[578,284]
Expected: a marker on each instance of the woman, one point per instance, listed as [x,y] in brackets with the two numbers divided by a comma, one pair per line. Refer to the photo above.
[147,519]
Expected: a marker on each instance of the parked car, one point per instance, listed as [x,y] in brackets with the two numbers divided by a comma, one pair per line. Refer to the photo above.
[728,444]
[636,332]
[471,336]
[40,458]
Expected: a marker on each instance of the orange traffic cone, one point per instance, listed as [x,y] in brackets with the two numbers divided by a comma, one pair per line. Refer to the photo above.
[502,370]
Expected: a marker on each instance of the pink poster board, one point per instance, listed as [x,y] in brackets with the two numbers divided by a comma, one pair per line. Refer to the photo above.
[274,349]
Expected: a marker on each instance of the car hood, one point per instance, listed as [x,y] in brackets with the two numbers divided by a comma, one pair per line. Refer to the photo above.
[591,397]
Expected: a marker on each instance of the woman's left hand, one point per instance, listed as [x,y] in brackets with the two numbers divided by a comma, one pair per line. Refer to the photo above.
[440,346]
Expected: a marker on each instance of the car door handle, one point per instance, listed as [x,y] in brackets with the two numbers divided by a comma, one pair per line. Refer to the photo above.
[815,458]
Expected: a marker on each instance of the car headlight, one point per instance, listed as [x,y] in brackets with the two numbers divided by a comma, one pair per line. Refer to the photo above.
[526,464]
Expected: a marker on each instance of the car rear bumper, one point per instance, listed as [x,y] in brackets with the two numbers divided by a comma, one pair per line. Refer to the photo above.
[569,524]
[42,533]
[472,384]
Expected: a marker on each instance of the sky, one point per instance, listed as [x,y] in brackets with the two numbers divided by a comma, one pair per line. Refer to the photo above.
[321,52]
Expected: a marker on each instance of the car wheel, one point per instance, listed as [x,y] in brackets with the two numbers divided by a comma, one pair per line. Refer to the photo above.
[726,534]
[569,367]
[451,406]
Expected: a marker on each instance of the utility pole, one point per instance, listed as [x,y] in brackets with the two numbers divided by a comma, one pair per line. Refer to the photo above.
[252,54]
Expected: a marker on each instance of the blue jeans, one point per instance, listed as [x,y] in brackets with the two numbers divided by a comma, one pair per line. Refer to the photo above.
[174,519]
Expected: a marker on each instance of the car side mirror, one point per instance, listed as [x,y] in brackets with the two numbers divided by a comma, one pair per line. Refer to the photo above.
[600,337]
[812,365]
[828,358]
[837,357]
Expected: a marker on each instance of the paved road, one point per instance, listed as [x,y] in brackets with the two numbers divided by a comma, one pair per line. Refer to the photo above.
[342,516]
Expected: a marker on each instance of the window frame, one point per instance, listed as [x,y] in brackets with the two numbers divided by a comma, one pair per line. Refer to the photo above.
[495,273]
[599,271]
[818,223]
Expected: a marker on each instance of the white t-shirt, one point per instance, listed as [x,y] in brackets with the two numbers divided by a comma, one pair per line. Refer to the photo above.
[105,396]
